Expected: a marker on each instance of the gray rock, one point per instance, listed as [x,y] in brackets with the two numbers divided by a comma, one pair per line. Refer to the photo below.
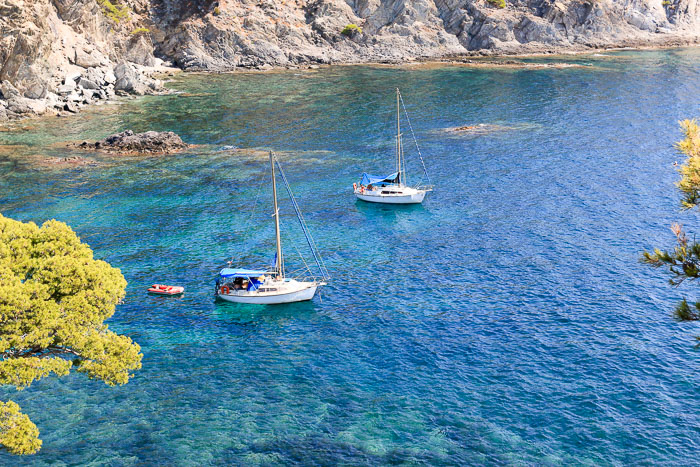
[87,59]
[36,90]
[109,77]
[72,77]
[122,70]
[52,100]
[140,51]
[87,84]
[66,89]
[96,75]
[150,142]
[22,105]
[129,80]
[71,107]
[8,90]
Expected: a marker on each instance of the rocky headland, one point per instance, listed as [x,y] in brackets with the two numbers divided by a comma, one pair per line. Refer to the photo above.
[59,55]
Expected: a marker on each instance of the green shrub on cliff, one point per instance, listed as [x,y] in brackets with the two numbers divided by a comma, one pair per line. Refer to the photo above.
[351,29]
[497,3]
[140,31]
[116,13]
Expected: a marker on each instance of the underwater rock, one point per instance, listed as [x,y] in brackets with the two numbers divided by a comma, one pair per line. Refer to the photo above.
[71,160]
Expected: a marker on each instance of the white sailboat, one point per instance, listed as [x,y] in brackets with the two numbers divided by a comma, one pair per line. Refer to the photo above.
[394,188]
[271,286]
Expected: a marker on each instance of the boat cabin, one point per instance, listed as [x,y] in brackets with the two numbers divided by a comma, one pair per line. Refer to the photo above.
[373,182]
[239,280]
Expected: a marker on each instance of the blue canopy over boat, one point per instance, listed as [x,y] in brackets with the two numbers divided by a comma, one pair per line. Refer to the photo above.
[368,179]
[228,272]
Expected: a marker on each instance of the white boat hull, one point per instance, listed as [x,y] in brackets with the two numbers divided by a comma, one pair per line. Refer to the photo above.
[406,198]
[272,298]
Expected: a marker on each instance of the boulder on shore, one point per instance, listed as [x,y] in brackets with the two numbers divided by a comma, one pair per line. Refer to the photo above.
[150,142]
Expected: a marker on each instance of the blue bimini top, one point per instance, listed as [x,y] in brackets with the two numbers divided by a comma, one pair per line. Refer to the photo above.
[368,179]
[247,273]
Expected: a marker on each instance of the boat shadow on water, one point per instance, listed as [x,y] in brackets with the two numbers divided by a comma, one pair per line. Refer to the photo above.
[373,208]
[244,313]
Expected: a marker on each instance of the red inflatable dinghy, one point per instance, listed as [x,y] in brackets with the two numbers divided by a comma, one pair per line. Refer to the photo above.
[166,289]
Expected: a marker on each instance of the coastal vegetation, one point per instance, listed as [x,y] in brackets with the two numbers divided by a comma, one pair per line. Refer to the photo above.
[683,261]
[140,31]
[351,30]
[54,299]
[497,3]
[114,11]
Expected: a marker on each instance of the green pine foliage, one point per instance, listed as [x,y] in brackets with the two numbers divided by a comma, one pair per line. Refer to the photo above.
[351,30]
[114,10]
[690,169]
[17,433]
[54,299]
[140,31]
[685,312]
[683,261]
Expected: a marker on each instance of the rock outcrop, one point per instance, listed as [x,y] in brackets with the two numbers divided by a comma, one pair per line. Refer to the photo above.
[58,55]
[150,142]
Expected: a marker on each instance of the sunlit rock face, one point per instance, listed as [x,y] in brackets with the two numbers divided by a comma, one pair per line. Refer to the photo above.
[59,55]
[288,32]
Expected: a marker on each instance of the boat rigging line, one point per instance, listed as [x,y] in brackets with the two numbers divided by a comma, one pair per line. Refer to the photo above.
[304,228]
[420,155]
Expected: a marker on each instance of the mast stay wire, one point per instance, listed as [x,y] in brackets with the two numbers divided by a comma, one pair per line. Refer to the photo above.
[420,155]
[309,239]
[247,222]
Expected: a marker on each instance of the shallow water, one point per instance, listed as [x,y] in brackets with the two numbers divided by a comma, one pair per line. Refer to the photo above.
[505,321]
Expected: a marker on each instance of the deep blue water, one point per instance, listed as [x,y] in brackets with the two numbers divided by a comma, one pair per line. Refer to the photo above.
[505,321]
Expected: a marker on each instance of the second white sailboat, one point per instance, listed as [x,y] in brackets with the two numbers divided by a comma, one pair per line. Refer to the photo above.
[394,188]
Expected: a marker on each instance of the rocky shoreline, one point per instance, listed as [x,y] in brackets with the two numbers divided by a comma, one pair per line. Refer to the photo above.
[77,89]
[94,86]
[58,56]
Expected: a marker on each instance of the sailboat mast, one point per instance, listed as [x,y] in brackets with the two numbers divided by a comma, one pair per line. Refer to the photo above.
[398,136]
[279,264]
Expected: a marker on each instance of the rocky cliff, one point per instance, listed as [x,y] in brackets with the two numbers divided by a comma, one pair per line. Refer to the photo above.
[56,55]
[228,33]
[59,55]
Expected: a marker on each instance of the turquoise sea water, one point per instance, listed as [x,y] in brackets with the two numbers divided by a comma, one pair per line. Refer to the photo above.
[505,321]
